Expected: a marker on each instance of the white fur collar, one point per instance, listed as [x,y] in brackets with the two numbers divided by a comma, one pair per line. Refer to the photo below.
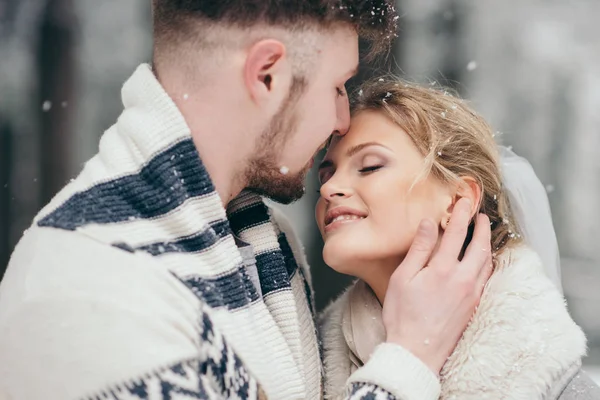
[520,343]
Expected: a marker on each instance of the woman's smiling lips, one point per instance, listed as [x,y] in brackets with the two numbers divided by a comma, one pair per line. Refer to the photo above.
[339,216]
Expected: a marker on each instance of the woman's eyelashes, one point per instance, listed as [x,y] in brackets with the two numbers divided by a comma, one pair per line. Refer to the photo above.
[372,168]
[325,176]
[364,166]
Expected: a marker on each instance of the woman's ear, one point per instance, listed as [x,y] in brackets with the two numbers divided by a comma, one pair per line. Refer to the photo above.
[267,72]
[467,187]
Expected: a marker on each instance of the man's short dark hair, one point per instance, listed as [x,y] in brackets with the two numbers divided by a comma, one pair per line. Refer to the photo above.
[374,20]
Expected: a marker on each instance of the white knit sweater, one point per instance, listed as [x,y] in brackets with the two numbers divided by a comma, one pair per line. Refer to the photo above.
[520,344]
[135,283]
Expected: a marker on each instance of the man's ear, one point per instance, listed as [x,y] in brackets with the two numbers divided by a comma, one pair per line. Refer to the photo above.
[467,187]
[267,71]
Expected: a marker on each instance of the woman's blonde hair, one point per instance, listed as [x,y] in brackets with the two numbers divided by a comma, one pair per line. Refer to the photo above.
[454,140]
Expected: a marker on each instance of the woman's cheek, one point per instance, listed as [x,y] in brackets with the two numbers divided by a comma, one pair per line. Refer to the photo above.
[320,214]
[397,232]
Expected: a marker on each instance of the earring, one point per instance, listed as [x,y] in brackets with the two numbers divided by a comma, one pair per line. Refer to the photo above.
[445,223]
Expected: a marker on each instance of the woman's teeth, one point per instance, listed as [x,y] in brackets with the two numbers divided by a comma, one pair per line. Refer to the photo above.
[346,218]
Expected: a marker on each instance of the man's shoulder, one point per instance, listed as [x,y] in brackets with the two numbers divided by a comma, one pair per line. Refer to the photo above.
[85,306]
[49,246]
[52,263]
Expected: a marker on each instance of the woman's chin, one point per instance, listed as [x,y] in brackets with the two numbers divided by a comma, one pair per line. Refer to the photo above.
[340,256]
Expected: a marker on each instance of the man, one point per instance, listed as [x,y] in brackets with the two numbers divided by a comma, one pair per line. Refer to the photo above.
[156,275]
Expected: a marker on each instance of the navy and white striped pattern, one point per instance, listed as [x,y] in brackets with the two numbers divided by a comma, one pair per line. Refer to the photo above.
[148,193]
[172,181]
[368,391]
[162,185]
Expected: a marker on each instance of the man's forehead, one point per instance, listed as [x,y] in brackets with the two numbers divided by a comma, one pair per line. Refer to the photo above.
[341,48]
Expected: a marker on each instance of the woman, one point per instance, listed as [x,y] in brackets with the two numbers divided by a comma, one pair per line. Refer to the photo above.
[412,153]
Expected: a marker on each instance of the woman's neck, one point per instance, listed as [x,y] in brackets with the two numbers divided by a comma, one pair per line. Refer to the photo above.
[379,288]
[378,278]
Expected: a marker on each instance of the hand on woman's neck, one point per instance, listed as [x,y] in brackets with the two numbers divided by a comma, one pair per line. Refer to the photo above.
[377,274]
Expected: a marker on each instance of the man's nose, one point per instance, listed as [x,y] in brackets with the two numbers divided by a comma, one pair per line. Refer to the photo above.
[343,117]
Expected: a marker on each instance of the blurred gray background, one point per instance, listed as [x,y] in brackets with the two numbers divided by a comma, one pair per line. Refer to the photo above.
[531,67]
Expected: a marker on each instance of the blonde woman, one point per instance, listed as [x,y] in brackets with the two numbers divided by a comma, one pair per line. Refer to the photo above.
[411,154]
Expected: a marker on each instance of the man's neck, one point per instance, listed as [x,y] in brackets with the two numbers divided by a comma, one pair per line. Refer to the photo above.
[221,129]
[222,163]
[220,141]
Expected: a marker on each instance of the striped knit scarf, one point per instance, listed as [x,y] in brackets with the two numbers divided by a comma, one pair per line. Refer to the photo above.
[148,191]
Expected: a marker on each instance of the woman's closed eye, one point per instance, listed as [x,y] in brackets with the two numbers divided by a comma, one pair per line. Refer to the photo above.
[372,168]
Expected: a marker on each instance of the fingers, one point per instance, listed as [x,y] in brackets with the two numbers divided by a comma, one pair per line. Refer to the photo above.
[420,249]
[479,250]
[456,232]
[485,274]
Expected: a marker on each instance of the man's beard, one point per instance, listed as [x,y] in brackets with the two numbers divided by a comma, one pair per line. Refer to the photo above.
[264,174]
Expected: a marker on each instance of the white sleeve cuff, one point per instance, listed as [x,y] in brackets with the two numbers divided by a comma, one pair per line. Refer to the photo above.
[398,371]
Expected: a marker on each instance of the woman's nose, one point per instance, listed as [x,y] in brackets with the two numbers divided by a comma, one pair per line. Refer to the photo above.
[335,188]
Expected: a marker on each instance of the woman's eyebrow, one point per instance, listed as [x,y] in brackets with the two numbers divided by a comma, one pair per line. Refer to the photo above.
[355,149]
[352,151]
